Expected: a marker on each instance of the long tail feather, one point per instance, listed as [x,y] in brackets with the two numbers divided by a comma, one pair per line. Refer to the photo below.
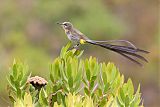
[130,58]
[123,50]
[116,41]
[132,52]
[127,48]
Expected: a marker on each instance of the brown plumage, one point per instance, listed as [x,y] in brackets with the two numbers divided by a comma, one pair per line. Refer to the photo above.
[130,52]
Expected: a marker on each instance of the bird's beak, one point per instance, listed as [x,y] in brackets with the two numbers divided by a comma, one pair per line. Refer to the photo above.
[59,23]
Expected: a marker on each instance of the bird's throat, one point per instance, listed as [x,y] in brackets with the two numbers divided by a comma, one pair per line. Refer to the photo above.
[67,32]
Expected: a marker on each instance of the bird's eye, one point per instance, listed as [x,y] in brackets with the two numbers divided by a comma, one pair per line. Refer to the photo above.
[65,24]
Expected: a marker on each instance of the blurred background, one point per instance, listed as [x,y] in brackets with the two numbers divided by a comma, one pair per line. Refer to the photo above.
[28,31]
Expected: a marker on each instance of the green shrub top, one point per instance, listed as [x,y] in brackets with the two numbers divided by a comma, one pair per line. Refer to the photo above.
[73,82]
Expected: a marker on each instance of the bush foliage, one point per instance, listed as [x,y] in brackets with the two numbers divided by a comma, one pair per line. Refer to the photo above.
[73,82]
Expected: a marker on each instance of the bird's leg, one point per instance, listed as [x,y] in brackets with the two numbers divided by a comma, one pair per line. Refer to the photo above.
[75,47]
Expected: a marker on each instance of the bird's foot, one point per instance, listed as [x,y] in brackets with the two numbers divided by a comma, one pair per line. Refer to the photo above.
[75,47]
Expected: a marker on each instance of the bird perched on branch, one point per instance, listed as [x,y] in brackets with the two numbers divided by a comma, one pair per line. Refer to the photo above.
[130,51]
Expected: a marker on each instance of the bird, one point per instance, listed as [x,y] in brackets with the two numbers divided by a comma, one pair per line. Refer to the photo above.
[130,51]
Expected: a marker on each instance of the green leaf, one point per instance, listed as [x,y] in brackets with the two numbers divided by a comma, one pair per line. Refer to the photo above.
[84,81]
[68,54]
[64,50]
[127,101]
[18,103]
[70,82]
[49,88]
[93,78]
[100,92]
[122,95]
[54,98]
[17,83]
[130,87]
[52,78]
[91,85]
[59,97]
[80,71]
[86,91]
[106,87]
[78,53]
[19,93]
[69,70]
[12,80]
[88,102]
[20,76]
[88,74]
[104,77]
[11,84]
[113,73]
[119,102]
[14,70]
[43,97]
[78,76]
[25,78]
[102,103]
[28,100]
[77,86]
[136,100]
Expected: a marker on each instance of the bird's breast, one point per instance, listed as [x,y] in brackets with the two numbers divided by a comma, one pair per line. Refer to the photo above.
[71,36]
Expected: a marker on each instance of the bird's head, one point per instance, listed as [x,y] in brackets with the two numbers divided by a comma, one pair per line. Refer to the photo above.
[66,25]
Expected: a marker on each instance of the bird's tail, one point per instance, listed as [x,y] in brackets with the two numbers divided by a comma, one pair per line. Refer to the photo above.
[126,51]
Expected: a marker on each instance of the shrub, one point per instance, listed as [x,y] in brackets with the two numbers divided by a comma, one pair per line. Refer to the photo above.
[73,82]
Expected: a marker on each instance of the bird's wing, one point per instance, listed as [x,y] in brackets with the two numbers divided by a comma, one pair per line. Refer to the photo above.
[80,34]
